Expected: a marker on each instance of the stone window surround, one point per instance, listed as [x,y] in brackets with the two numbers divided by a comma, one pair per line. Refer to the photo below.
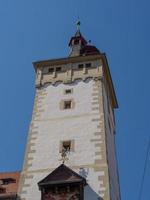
[72,145]
[62,104]
[67,104]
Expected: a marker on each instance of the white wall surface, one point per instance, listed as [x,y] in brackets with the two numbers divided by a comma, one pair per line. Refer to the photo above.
[55,125]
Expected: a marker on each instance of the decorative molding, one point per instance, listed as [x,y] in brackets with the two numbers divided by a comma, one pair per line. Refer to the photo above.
[69,73]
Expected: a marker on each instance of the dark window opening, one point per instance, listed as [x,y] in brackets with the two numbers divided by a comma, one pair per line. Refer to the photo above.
[2,190]
[51,70]
[76,42]
[88,65]
[58,69]
[66,146]
[67,104]
[80,66]
[7,181]
[68,91]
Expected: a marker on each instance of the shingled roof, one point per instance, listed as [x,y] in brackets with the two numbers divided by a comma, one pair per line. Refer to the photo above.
[62,175]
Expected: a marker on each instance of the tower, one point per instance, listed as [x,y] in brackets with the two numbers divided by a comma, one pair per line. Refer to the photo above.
[73,121]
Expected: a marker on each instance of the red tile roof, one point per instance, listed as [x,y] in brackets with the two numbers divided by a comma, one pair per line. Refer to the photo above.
[9,184]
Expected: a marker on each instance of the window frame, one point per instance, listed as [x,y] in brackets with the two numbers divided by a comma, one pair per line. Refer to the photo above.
[72,145]
[67,104]
[66,91]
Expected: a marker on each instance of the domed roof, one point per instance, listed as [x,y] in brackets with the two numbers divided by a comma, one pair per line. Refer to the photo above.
[89,50]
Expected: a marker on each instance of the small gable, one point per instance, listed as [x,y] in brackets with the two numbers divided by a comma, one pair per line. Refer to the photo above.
[62,175]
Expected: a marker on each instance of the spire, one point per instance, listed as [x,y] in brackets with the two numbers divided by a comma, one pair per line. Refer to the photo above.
[78,25]
[78,33]
[79,46]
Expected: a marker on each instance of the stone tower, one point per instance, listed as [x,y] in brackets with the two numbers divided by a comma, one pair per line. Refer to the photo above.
[73,120]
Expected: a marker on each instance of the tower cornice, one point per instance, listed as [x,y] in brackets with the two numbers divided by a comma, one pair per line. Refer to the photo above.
[71,73]
[66,60]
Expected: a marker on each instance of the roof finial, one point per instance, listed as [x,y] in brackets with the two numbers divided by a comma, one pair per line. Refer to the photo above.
[78,24]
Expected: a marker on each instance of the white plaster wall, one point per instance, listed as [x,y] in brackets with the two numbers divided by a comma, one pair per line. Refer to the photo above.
[56,125]
[51,133]
[81,94]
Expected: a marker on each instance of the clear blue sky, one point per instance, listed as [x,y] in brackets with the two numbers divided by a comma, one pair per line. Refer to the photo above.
[40,29]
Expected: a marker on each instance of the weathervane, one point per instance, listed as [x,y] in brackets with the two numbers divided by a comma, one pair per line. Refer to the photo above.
[64,154]
[78,24]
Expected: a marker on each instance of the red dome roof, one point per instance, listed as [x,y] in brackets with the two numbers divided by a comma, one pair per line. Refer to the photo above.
[89,50]
[83,47]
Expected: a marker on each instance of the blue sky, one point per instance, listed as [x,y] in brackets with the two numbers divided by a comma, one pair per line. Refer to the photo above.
[40,29]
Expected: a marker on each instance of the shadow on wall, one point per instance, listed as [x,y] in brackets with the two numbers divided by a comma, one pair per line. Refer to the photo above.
[89,194]
[75,82]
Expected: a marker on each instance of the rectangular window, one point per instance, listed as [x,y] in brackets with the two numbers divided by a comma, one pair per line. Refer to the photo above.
[66,145]
[88,65]
[67,104]
[51,70]
[68,91]
[80,66]
[2,190]
[76,41]
[7,181]
[58,69]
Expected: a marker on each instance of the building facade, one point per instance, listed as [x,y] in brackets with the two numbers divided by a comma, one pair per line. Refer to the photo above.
[9,185]
[73,122]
